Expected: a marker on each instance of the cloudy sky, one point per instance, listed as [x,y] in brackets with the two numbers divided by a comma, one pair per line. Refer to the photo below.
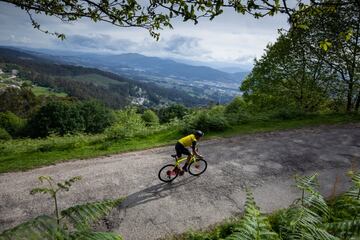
[229,41]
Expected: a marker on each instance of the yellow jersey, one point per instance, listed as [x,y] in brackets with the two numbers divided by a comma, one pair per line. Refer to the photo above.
[188,140]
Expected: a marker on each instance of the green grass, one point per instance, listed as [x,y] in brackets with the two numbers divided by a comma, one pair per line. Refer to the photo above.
[37,90]
[24,154]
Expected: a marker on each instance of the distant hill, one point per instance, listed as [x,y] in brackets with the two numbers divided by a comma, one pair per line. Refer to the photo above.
[196,80]
[88,83]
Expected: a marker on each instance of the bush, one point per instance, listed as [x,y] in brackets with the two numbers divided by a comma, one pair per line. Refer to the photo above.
[4,135]
[150,118]
[287,114]
[207,120]
[96,116]
[12,123]
[236,111]
[174,111]
[128,124]
[56,117]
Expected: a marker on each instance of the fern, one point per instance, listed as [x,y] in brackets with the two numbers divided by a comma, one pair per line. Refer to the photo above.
[346,221]
[304,219]
[253,226]
[95,236]
[42,227]
[81,216]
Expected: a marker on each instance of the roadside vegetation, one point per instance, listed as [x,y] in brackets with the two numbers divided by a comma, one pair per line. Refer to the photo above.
[64,129]
[74,223]
[310,217]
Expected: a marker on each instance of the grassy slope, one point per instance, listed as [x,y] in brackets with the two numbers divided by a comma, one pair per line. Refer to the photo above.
[37,90]
[18,155]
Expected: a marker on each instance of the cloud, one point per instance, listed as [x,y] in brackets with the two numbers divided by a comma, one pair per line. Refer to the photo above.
[185,46]
[230,39]
[96,43]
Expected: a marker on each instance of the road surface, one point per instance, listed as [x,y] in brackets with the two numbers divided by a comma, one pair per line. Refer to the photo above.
[264,162]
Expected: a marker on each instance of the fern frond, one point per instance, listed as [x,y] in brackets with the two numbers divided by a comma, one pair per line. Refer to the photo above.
[317,203]
[300,222]
[95,236]
[355,178]
[307,182]
[42,227]
[253,224]
[345,226]
[81,216]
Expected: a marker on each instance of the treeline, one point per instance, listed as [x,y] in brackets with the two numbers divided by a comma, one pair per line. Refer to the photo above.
[315,66]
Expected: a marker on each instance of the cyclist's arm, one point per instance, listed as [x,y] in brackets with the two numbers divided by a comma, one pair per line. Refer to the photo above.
[194,149]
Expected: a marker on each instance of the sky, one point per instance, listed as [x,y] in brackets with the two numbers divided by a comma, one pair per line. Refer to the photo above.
[229,42]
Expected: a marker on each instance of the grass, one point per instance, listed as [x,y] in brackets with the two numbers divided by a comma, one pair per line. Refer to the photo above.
[25,154]
[37,90]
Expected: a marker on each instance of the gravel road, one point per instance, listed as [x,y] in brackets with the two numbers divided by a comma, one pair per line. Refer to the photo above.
[265,162]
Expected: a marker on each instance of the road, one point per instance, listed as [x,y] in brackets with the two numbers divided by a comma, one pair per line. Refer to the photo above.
[264,162]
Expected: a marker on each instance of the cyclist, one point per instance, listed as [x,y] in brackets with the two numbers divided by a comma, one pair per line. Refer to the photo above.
[188,141]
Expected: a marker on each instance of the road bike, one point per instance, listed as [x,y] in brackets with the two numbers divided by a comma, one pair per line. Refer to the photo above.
[169,172]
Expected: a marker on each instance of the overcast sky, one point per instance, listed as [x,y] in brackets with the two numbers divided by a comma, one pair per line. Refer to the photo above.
[230,40]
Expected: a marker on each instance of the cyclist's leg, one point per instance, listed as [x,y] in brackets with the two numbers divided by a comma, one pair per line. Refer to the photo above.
[186,152]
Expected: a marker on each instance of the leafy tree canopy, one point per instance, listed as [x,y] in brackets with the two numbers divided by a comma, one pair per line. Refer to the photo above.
[156,14]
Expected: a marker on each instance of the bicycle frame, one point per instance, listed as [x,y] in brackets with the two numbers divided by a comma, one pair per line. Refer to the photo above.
[180,160]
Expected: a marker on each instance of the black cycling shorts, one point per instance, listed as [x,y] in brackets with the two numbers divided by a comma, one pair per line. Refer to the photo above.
[180,149]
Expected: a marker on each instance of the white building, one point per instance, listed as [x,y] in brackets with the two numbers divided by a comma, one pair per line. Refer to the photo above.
[14,72]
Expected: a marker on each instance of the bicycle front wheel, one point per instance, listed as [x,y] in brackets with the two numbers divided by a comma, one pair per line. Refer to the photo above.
[168,173]
[198,167]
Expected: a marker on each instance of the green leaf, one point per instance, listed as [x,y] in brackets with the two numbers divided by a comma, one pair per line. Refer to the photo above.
[42,227]
[81,216]
[253,224]
[325,45]
[95,236]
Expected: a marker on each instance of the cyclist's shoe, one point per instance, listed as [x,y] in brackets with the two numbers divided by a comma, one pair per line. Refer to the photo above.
[184,168]
[181,172]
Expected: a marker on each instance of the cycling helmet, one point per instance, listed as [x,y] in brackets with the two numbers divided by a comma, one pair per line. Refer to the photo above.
[199,133]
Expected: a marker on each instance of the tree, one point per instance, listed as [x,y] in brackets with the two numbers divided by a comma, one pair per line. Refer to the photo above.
[288,77]
[96,116]
[19,101]
[336,29]
[157,14]
[56,117]
[171,112]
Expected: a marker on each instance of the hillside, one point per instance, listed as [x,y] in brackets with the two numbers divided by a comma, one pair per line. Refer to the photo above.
[88,83]
[210,83]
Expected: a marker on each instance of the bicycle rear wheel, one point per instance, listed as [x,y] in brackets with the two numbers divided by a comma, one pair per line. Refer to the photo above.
[198,167]
[168,173]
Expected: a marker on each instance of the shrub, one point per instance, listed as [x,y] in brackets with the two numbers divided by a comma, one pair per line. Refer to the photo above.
[19,101]
[4,135]
[287,113]
[128,124]
[96,116]
[150,118]
[236,111]
[56,117]
[171,112]
[12,123]
[207,120]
